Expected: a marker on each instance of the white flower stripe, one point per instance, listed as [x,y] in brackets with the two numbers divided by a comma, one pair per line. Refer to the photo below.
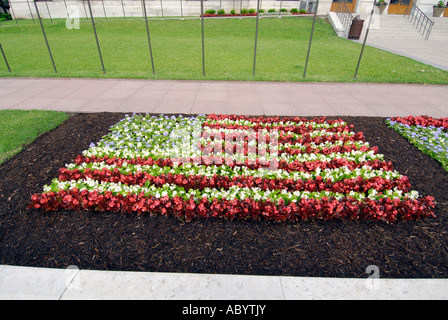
[234,192]
[245,122]
[337,174]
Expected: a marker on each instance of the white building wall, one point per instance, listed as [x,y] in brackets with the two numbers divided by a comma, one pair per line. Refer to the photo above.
[133,8]
[57,8]
[426,6]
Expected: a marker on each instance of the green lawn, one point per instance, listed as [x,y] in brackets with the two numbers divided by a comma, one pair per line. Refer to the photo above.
[229,49]
[21,127]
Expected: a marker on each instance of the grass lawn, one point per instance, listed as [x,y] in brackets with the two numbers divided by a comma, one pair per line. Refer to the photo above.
[229,49]
[21,127]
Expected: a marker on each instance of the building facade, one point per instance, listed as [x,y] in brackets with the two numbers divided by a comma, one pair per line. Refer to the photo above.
[24,9]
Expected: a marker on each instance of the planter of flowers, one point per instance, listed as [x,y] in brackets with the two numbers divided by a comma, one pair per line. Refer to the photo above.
[221,13]
[381,5]
[294,11]
[438,9]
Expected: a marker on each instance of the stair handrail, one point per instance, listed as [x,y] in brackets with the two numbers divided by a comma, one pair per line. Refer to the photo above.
[420,20]
[344,15]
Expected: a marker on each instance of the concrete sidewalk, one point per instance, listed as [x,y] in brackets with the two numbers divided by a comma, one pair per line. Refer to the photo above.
[431,52]
[257,98]
[71,284]
[253,98]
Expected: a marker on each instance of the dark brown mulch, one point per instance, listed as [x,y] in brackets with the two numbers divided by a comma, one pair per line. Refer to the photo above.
[113,241]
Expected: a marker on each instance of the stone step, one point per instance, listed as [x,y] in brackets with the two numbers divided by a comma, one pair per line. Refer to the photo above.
[392,26]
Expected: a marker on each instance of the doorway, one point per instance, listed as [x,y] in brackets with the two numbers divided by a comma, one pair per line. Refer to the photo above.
[402,7]
[349,3]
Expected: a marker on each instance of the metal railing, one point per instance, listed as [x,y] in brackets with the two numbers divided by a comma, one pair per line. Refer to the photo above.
[345,16]
[421,21]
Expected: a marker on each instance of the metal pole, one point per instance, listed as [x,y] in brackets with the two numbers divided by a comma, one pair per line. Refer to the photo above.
[13,14]
[4,57]
[48,10]
[256,36]
[280,10]
[364,42]
[32,17]
[45,36]
[311,38]
[104,9]
[147,33]
[241,8]
[161,8]
[85,11]
[96,36]
[122,7]
[181,10]
[203,53]
[66,10]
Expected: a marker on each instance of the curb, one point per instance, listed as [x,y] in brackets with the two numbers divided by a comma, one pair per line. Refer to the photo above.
[27,283]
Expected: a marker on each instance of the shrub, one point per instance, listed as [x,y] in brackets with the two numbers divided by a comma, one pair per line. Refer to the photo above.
[5,16]
[283,10]
[211,11]
[261,11]
[243,11]
[251,11]
[302,11]
[232,12]
[271,11]
[294,10]
[221,12]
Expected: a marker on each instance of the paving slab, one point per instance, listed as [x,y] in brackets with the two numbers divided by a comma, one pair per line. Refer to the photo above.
[25,283]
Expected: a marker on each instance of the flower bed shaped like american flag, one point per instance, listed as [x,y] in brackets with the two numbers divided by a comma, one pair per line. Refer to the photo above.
[235,167]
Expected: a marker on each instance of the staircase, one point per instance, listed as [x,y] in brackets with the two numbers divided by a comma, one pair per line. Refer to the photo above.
[396,34]
[400,27]
[440,30]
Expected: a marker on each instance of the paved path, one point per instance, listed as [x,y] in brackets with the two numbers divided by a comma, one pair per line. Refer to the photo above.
[256,98]
[432,52]
[85,95]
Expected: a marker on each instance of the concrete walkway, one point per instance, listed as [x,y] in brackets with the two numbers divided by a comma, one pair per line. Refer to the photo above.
[431,52]
[254,98]
[71,284]
[163,96]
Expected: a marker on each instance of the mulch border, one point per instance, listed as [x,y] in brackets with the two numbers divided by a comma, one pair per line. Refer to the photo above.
[115,241]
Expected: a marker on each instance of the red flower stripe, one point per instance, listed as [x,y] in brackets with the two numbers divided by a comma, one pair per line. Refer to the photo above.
[223,182]
[424,121]
[347,209]
[214,15]
[306,166]
[306,138]
[234,117]
[291,138]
